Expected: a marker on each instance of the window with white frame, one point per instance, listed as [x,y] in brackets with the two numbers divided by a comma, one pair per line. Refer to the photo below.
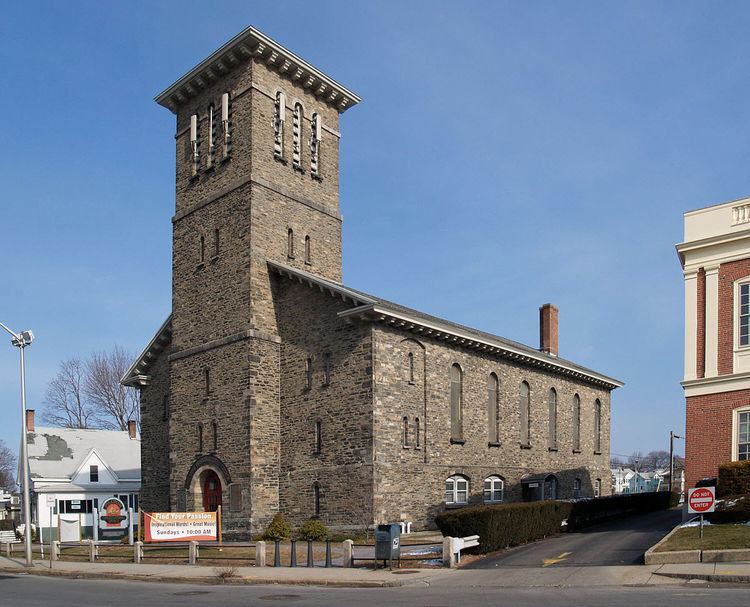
[456,490]
[743,435]
[597,487]
[743,314]
[493,490]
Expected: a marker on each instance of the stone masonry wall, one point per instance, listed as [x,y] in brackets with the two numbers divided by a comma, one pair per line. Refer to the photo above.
[343,467]
[409,482]
[155,438]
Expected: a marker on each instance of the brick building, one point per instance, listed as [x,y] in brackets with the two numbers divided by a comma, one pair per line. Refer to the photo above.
[715,258]
[274,387]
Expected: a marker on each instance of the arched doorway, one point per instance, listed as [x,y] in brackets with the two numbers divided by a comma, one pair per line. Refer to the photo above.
[211,491]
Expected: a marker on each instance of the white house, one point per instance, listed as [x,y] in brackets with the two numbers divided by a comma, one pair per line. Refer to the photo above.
[76,475]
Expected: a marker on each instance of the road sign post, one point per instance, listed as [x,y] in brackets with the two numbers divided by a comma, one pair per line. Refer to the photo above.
[700,501]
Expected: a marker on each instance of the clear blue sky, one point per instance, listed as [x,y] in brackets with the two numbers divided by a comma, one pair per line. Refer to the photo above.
[505,155]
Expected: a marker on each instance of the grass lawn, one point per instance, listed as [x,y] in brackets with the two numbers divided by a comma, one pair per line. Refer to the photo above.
[715,537]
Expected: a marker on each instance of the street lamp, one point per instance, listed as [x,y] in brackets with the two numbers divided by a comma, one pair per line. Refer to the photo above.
[21,340]
[672,436]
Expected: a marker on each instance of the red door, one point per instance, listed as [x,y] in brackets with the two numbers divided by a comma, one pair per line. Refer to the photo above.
[211,492]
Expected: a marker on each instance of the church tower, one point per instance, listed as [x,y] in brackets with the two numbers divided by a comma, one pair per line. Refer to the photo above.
[257,180]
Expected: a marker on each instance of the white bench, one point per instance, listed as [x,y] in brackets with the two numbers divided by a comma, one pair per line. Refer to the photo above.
[452,547]
[8,537]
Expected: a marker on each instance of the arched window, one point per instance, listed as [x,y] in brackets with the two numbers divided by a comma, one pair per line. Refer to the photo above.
[215,433]
[194,145]
[576,422]
[199,436]
[457,433]
[318,436]
[316,498]
[297,121]
[493,385]
[226,123]
[550,487]
[576,488]
[552,419]
[202,249]
[308,373]
[405,432]
[290,243]
[211,136]
[524,413]
[410,367]
[597,487]
[308,253]
[456,490]
[216,242]
[493,490]
[417,433]
[597,426]
[316,132]
[279,117]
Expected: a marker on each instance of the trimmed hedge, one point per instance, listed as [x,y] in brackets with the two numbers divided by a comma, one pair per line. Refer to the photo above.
[504,525]
[278,529]
[731,509]
[734,479]
[312,529]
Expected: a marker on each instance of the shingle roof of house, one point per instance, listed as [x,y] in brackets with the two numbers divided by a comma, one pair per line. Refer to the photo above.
[59,452]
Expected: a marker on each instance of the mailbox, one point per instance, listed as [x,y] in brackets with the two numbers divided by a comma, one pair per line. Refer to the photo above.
[388,542]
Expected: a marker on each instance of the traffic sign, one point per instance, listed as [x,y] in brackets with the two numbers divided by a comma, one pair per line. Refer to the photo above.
[701,500]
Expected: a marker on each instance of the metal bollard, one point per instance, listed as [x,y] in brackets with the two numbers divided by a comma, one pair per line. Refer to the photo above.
[293,554]
[260,554]
[310,562]
[328,554]
[277,553]
[347,546]
[137,552]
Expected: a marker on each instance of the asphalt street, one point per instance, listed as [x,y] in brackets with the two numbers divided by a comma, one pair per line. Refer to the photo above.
[620,542]
[28,591]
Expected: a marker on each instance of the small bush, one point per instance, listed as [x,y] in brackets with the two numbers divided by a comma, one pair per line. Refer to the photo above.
[734,479]
[313,529]
[224,573]
[279,529]
[7,524]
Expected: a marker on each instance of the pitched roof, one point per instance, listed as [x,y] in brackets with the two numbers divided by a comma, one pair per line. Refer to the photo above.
[371,307]
[60,452]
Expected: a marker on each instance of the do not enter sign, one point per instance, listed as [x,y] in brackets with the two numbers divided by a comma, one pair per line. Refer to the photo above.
[701,500]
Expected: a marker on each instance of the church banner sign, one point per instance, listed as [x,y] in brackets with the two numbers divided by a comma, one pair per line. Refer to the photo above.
[180,526]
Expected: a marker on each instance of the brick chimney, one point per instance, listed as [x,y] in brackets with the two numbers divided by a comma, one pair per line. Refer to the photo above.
[548,329]
[131,428]
[30,420]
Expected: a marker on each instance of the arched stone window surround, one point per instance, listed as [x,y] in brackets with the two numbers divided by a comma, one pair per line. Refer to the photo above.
[524,413]
[493,409]
[456,403]
[197,474]
[457,489]
[552,406]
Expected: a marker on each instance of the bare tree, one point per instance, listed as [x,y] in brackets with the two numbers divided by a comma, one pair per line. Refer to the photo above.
[115,404]
[88,394]
[656,460]
[65,402]
[7,468]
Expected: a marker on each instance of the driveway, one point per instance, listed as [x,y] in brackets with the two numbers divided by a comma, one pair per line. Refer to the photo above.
[620,542]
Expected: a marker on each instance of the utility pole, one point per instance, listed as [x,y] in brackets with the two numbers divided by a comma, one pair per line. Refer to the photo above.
[672,436]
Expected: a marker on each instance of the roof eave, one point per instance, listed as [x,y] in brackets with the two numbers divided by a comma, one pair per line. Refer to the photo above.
[252,43]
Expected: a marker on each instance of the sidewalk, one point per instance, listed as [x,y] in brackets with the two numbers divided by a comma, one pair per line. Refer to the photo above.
[193,574]
[568,576]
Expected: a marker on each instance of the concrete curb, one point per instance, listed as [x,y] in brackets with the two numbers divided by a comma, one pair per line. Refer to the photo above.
[212,580]
[709,577]
[681,557]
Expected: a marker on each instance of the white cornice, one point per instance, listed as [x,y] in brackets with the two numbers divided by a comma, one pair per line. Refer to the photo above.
[250,43]
[716,385]
[713,241]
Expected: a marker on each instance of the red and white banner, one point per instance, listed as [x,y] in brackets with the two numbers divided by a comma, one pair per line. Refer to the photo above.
[179,526]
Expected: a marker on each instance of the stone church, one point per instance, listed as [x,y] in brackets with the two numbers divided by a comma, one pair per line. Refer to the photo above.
[273,387]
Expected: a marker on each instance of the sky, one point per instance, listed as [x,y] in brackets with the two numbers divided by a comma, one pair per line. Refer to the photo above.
[504,155]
